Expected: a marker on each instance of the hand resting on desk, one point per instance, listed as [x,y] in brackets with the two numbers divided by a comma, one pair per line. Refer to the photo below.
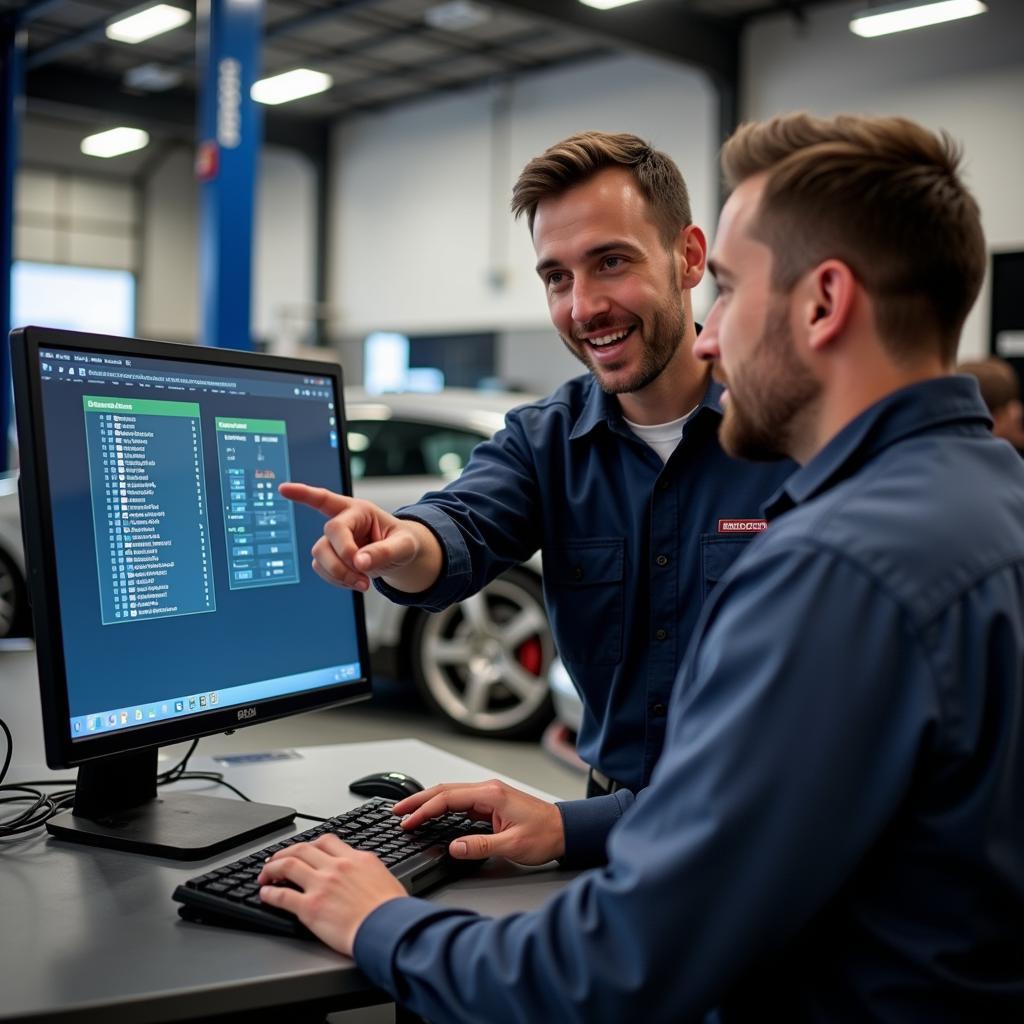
[524,829]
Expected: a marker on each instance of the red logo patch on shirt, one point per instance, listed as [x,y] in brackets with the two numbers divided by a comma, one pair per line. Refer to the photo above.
[742,525]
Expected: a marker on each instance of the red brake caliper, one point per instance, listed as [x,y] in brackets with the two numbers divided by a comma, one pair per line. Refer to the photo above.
[529,655]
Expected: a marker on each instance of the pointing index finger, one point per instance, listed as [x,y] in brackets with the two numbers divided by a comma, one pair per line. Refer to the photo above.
[319,498]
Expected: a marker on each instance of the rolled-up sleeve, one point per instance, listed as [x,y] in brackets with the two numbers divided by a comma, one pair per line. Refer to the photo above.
[787,753]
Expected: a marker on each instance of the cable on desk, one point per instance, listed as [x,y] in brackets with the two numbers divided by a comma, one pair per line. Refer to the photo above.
[43,806]
[46,805]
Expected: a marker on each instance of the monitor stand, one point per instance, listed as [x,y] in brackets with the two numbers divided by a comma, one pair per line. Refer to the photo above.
[116,805]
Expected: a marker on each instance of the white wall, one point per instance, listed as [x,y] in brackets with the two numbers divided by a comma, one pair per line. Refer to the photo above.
[284,283]
[66,212]
[168,272]
[966,77]
[284,243]
[420,228]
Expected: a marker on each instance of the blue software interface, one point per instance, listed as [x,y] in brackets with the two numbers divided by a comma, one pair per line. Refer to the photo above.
[184,578]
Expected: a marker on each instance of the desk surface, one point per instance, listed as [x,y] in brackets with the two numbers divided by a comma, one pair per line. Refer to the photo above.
[93,935]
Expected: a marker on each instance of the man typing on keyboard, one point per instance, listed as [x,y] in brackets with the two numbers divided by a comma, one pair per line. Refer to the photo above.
[834,829]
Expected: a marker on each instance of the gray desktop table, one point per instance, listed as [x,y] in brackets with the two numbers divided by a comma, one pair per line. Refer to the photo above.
[91,935]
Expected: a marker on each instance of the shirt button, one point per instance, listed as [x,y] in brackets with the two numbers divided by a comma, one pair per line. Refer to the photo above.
[664,485]
[662,560]
[661,634]
[658,710]
[577,573]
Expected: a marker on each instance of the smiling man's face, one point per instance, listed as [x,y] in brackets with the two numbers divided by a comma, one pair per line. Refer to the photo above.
[612,286]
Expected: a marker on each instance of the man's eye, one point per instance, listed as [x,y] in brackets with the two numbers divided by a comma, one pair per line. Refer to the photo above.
[613,262]
[555,279]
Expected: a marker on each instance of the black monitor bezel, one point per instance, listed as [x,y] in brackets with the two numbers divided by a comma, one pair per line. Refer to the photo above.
[34,489]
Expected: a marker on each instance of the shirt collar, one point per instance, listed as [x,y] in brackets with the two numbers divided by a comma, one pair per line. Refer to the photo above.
[601,408]
[911,410]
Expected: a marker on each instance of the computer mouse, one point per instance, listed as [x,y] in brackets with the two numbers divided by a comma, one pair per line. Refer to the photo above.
[390,785]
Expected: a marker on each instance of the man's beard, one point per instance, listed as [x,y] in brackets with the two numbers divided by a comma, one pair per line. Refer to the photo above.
[667,327]
[774,389]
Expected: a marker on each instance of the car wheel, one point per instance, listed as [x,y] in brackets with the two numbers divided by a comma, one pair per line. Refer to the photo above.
[13,605]
[483,663]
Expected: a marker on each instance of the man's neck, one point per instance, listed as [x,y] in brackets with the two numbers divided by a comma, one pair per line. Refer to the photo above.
[846,396]
[673,393]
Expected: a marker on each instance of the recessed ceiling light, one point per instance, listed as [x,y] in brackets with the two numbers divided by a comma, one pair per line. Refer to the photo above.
[115,142]
[152,77]
[142,25]
[607,5]
[880,21]
[456,15]
[292,85]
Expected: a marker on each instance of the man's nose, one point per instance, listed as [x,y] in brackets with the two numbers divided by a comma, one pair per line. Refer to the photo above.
[588,300]
[706,345]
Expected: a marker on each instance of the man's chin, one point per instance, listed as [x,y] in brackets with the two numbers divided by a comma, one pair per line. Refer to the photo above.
[740,440]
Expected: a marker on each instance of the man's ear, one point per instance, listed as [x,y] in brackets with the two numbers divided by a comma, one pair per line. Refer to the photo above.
[691,256]
[825,300]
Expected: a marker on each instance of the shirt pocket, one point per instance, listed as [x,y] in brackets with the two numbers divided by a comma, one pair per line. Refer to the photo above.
[717,555]
[585,579]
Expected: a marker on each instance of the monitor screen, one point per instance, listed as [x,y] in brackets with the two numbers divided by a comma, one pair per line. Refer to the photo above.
[172,587]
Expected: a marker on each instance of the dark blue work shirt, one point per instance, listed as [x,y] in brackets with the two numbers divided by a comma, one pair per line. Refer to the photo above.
[631,548]
[835,831]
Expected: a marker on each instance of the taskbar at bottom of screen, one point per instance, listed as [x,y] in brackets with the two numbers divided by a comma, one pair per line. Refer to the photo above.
[114,719]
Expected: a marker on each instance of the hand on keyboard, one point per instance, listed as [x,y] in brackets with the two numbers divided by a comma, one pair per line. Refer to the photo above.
[233,894]
[525,829]
[338,888]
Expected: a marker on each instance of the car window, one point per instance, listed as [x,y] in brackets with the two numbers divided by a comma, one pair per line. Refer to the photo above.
[407,448]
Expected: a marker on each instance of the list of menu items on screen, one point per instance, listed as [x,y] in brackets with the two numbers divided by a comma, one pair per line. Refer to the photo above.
[149,506]
[259,524]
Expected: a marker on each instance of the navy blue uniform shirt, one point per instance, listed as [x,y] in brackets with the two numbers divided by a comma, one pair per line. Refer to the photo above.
[631,548]
[835,831]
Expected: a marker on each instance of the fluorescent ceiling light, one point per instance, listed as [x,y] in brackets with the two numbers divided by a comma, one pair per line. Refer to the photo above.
[881,21]
[115,142]
[292,85]
[607,5]
[152,77]
[153,21]
[456,15]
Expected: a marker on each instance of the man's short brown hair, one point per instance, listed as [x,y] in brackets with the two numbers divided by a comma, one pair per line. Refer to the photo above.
[884,196]
[997,381]
[578,158]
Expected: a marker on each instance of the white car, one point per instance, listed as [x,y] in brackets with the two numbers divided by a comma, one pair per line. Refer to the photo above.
[483,663]
[14,613]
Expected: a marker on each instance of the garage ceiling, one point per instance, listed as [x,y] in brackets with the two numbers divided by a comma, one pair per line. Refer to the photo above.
[379,52]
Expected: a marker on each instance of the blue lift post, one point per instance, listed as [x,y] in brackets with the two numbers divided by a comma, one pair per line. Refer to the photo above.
[229,35]
[12,86]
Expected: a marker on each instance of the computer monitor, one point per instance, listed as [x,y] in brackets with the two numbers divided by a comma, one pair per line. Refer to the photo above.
[171,585]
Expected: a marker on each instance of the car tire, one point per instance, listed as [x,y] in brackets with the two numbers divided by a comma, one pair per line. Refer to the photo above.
[13,600]
[483,663]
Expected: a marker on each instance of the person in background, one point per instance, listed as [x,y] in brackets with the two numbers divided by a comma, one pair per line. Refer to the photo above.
[617,477]
[1000,390]
[834,830]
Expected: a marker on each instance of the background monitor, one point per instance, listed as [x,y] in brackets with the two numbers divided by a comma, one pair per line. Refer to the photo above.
[171,585]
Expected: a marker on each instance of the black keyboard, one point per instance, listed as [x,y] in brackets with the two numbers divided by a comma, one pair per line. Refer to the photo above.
[419,859]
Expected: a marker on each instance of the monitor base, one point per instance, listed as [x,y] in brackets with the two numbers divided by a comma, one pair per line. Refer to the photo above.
[183,826]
